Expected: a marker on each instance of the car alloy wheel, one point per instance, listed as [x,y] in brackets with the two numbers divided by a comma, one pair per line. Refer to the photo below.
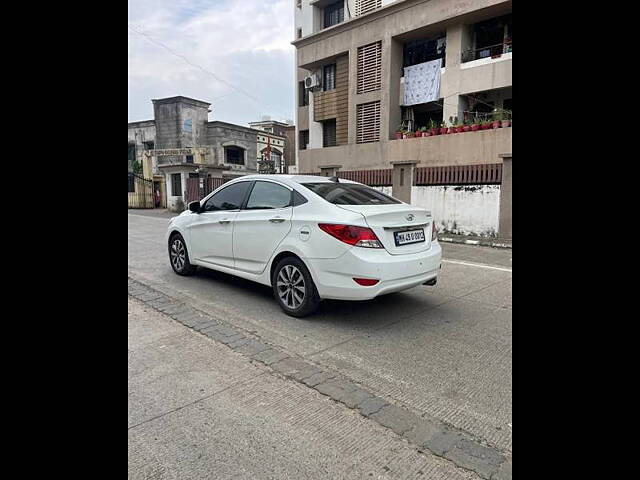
[291,286]
[178,254]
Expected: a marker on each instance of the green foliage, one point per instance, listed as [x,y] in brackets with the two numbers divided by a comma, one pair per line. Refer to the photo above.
[137,167]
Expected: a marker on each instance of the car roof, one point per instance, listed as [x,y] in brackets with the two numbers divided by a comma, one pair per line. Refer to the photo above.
[293,179]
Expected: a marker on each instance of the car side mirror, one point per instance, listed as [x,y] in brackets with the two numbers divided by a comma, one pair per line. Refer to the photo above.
[194,207]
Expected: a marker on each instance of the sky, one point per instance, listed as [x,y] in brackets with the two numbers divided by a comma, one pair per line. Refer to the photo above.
[245,45]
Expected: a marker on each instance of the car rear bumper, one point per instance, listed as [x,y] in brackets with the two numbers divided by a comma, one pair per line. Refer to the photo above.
[334,277]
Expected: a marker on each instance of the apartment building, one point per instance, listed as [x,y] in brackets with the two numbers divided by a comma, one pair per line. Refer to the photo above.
[354,59]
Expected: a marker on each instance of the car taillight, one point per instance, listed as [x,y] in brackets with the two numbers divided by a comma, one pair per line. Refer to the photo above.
[356,236]
[434,232]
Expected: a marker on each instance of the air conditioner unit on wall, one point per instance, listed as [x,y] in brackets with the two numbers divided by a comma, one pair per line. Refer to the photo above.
[312,81]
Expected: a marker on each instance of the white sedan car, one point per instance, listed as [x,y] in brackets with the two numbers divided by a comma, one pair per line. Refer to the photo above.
[307,237]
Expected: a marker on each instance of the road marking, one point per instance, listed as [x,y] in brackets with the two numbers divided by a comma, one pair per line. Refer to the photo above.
[479,265]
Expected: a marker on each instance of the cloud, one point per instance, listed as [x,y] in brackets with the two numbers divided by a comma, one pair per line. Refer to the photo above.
[246,43]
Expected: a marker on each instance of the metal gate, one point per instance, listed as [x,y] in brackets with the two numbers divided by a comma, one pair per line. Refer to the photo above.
[140,191]
[198,188]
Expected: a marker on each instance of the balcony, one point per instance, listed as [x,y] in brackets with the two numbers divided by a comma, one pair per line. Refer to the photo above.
[468,148]
[492,38]
[491,51]
[361,8]
[482,146]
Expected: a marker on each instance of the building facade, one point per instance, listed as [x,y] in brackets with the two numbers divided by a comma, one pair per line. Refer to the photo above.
[272,145]
[278,138]
[271,153]
[355,56]
[141,138]
[143,193]
[181,143]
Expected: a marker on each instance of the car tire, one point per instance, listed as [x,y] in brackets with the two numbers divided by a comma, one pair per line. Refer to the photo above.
[179,256]
[293,288]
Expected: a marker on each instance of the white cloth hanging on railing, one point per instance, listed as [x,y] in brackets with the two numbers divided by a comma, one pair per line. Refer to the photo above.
[422,82]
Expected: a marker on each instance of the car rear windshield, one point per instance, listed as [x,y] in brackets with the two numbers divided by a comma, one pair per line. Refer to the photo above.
[349,194]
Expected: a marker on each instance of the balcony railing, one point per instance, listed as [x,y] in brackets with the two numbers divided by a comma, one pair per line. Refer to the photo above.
[491,51]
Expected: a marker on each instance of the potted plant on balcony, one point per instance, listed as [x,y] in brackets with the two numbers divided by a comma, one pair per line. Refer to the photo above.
[443,129]
[497,119]
[399,132]
[486,124]
[453,122]
[506,121]
[433,128]
[466,124]
[410,135]
[475,124]
[425,132]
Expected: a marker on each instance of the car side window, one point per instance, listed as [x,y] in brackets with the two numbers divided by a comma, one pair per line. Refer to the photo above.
[268,195]
[229,198]
[298,199]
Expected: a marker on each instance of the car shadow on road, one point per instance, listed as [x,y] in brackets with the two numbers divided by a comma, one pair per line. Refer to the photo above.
[377,311]
[237,283]
[367,313]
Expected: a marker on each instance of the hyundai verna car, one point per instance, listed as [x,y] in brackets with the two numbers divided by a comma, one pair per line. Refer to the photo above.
[309,238]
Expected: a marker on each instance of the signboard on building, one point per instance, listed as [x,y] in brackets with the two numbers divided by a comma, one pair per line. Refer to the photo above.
[170,152]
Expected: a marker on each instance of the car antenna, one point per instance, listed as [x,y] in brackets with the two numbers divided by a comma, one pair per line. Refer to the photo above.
[334,179]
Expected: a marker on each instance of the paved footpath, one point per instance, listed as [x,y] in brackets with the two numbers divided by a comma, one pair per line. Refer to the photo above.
[200,409]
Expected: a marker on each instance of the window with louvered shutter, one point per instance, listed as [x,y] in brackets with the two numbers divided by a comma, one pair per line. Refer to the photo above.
[366,6]
[329,77]
[370,67]
[368,122]
[329,133]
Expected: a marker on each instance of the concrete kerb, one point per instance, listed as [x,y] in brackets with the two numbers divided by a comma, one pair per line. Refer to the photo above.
[442,440]
[488,242]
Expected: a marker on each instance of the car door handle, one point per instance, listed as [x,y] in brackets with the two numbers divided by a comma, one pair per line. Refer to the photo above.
[224,220]
[276,220]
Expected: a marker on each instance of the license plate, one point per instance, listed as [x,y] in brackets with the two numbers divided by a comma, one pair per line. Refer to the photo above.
[408,236]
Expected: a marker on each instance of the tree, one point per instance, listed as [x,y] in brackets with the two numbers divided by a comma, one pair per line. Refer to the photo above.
[137,167]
